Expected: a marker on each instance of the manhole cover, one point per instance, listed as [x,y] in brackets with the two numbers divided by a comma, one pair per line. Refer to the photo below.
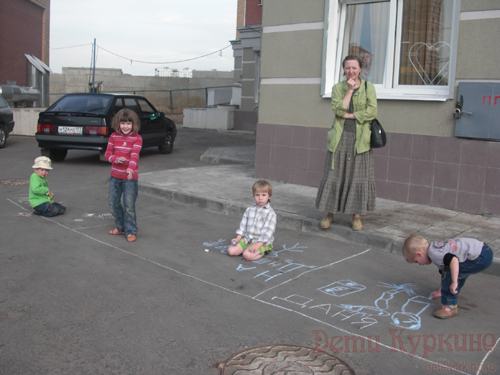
[19,181]
[283,360]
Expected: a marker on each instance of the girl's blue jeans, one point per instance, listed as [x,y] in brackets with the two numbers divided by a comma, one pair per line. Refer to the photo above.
[125,218]
[465,269]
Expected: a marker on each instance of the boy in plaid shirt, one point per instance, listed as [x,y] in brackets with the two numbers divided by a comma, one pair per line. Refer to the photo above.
[256,233]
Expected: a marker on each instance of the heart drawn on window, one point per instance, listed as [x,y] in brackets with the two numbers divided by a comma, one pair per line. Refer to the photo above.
[439,52]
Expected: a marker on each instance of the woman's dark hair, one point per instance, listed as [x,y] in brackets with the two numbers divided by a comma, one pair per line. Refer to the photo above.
[126,115]
[353,57]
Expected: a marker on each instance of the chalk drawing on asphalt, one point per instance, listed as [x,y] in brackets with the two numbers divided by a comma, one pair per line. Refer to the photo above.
[278,267]
[342,288]
[406,316]
[98,216]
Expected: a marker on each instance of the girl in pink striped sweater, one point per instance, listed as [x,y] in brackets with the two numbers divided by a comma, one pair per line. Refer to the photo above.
[123,153]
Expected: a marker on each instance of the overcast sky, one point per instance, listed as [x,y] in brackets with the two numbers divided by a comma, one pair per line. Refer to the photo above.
[143,30]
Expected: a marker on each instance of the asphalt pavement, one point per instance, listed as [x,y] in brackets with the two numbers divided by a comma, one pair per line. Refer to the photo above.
[227,189]
[75,300]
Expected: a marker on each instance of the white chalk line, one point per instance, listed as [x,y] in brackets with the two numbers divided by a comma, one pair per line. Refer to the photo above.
[18,205]
[255,297]
[111,218]
[486,356]
[312,270]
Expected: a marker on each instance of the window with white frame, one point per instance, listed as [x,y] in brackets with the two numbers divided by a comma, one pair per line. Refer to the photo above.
[408,47]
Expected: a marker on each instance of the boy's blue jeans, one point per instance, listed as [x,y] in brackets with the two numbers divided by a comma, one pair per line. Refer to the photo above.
[125,218]
[49,209]
[465,269]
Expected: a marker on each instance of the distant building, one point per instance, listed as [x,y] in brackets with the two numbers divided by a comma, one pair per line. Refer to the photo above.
[24,29]
[167,72]
[246,52]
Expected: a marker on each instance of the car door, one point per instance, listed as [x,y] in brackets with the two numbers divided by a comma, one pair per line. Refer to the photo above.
[154,128]
[150,129]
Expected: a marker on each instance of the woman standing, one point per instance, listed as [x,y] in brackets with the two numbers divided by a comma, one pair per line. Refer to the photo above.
[348,183]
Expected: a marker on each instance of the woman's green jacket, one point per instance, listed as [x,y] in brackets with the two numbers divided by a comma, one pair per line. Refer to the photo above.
[365,110]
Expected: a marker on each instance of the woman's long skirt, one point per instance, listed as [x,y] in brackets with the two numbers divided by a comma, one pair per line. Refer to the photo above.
[350,187]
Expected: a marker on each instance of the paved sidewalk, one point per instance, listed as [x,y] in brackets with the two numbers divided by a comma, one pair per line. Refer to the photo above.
[232,154]
[227,189]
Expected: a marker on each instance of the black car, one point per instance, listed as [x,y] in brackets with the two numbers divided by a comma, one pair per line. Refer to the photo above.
[6,121]
[83,122]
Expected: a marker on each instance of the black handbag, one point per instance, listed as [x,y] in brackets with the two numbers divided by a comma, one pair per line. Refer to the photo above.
[378,138]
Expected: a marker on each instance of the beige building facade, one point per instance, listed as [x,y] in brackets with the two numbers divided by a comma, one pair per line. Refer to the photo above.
[417,54]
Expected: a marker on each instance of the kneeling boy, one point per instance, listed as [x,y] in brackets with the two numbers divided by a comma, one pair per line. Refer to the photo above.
[256,233]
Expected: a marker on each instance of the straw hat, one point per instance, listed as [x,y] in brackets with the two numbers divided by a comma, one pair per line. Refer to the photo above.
[42,162]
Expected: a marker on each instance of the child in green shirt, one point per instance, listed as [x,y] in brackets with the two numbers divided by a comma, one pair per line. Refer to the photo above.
[41,198]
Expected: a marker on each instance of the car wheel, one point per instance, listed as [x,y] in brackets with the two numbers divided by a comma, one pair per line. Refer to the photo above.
[3,137]
[54,154]
[167,145]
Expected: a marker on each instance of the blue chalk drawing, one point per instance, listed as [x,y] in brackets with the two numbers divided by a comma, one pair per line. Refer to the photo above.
[295,248]
[211,244]
[407,318]
[241,268]
[288,267]
[342,288]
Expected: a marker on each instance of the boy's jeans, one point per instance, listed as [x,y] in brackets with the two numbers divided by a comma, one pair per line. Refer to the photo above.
[125,218]
[465,269]
[49,209]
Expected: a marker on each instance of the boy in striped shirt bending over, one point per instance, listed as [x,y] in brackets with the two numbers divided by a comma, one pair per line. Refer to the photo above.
[256,233]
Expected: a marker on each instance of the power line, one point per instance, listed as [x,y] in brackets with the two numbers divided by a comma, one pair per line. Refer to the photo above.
[146,62]
[164,62]
[81,45]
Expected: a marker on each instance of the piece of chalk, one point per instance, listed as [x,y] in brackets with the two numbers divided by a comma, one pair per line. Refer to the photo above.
[234,243]
[430,297]
[207,250]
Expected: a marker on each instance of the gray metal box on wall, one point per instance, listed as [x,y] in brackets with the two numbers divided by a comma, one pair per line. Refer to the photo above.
[479,115]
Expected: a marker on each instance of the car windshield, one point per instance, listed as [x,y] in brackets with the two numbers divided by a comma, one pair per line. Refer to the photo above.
[84,103]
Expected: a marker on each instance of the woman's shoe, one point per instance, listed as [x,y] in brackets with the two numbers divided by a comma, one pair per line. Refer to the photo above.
[131,238]
[115,232]
[325,223]
[356,224]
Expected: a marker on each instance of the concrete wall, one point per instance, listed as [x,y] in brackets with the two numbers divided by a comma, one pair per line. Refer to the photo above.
[423,162]
[209,118]
[157,89]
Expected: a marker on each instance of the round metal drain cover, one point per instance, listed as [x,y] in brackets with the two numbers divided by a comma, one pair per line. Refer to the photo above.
[283,360]
[19,181]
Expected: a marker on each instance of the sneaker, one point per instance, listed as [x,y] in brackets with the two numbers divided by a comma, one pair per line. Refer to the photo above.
[325,223]
[356,224]
[447,311]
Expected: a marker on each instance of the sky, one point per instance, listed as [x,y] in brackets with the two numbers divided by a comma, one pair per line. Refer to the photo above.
[158,31]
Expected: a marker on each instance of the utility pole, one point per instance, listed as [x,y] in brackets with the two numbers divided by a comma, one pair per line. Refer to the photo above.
[93,69]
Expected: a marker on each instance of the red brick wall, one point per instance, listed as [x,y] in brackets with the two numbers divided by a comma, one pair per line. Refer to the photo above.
[21,31]
[253,14]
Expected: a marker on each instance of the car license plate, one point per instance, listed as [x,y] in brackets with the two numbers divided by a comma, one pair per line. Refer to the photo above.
[70,130]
